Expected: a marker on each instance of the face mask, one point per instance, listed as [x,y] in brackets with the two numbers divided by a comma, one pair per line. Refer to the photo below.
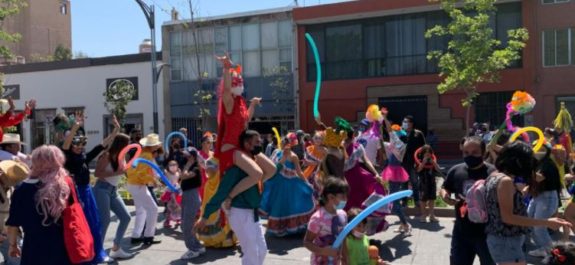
[238,90]
[358,235]
[177,147]
[256,150]
[341,205]
[405,126]
[473,161]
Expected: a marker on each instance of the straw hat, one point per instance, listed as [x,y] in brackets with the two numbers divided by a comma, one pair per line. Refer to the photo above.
[150,140]
[13,172]
[11,138]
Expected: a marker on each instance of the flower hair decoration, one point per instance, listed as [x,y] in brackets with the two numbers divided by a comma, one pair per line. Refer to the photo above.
[556,252]
[237,79]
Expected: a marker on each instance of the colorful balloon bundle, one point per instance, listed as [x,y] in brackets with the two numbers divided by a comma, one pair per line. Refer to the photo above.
[521,104]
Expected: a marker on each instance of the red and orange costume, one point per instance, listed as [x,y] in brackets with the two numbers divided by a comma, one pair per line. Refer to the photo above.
[9,119]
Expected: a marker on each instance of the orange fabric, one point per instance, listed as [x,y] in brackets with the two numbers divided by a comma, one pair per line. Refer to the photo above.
[142,174]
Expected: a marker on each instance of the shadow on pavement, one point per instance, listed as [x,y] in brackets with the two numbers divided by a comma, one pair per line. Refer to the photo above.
[282,245]
[398,243]
[433,227]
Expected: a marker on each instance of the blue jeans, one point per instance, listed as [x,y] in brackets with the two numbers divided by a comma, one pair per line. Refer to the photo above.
[107,199]
[397,209]
[191,204]
[542,207]
[506,249]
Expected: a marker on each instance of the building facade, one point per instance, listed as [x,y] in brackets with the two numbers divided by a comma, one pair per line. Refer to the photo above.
[43,25]
[261,42]
[79,85]
[375,52]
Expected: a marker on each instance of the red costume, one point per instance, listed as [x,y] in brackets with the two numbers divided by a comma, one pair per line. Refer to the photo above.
[11,119]
[230,126]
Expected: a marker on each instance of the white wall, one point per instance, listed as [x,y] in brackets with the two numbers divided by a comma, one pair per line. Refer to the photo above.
[84,87]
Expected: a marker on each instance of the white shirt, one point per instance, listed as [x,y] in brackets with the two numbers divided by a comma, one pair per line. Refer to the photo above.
[371,147]
[20,157]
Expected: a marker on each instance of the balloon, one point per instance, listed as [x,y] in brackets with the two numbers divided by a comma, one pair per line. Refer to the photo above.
[122,154]
[536,130]
[172,134]
[365,213]
[158,171]
[278,138]
[318,75]
[418,161]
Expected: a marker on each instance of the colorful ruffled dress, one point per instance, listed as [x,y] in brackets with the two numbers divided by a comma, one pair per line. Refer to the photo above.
[217,233]
[287,200]
[316,156]
[361,182]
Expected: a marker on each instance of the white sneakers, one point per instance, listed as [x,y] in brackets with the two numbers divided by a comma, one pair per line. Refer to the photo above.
[120,254]
[191,254]
[540,252]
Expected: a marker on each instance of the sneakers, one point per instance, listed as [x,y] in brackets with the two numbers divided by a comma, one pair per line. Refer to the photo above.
[191,254]
[433,219]
[148,241]
[106,259]
[120,254]
[541,253]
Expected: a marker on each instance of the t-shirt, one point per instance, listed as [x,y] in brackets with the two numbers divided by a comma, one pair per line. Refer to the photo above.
[459,179]
[371,145]
[194,182]
[43,245]
[415,140]
[77,164]
[327,227]
[357,250]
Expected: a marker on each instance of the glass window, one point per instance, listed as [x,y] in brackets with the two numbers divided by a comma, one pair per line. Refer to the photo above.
[176,55]
[508,17]
[251,63]
[236,38]
[285,55]
[562,50]
[251,37]
[269,35]
[343,53]
[406,49]
[549,47]
[554,1]
[374,50]
[285,33]
[270,60]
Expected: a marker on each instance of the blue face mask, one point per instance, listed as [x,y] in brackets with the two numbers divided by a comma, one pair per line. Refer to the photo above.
[341,205]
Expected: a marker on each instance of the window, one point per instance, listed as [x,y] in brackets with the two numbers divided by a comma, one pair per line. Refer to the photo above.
[63,8]
[251,37]
[558,47]
[269,35]
[176,56]
[491,108]
[554,1]
[133,80]
[42,128]
[391,45]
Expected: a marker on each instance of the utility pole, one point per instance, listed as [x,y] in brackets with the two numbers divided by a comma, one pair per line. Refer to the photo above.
[200,73]
[151,18]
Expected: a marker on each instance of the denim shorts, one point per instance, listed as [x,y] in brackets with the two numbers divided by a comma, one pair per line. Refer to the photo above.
[506,249]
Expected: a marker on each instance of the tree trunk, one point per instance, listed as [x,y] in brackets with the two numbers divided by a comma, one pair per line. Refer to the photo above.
[468,119]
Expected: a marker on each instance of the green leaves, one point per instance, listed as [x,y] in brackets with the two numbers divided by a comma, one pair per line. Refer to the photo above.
[117,96]
[473,55]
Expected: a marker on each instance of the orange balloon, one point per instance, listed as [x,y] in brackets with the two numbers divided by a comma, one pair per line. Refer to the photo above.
[124,152]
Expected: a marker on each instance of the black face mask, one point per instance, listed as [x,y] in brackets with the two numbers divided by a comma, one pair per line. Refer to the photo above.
[176,147]
[473,161]
[256,150]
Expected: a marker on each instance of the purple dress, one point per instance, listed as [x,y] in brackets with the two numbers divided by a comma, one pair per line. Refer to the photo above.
[361,182]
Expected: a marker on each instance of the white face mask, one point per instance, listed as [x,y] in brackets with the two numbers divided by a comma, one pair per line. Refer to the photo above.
[405,126]
[237,90]
[358,235]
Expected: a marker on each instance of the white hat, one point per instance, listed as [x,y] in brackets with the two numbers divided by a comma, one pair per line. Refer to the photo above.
[150,140]
[11,138]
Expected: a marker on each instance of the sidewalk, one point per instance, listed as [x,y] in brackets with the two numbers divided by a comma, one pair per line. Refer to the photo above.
[428,245]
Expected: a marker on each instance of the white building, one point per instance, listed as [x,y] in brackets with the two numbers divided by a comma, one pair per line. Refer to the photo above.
[68,86]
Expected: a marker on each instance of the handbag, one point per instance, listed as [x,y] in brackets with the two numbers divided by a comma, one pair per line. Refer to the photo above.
[77,236]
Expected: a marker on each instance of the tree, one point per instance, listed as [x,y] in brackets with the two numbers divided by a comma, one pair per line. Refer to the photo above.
[8,8]
[117,96]
[473,54]
[62,53]
[279,82]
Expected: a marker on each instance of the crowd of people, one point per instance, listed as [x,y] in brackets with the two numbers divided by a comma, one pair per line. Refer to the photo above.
[309,184]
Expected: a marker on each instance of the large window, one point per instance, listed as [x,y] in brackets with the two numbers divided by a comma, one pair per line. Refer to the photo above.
[558,47]
[555,1]
[390,46]
[258,47]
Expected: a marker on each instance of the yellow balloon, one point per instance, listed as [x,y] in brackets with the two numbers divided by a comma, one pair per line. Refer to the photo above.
[536,130]
[278,138]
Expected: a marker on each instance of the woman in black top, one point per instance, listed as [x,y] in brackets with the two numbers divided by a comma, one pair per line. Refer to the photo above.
[544,189]
[77,164]
[191,203]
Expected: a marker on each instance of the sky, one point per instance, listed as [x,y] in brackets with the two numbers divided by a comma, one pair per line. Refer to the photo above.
[115,27]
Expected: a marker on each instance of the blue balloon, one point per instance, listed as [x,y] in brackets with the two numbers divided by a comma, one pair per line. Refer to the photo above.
[172,134]
[365,213]
[157,170]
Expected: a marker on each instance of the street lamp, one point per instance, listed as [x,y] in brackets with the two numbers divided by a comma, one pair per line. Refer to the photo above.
[150,16]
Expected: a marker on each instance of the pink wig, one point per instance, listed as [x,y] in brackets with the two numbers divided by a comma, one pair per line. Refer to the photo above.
[48,168]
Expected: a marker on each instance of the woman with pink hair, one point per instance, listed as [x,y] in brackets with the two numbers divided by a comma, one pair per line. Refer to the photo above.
[37,207]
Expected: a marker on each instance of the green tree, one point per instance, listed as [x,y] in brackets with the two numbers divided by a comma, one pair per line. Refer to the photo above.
[279,82]
[473,54]
[8,8]
[117,96]
[62,53]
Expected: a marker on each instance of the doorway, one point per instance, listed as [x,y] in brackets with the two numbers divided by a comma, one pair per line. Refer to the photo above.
[399,107]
